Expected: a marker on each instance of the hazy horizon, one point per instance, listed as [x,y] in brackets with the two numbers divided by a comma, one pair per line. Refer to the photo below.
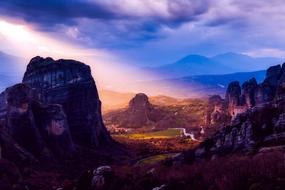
[117,38]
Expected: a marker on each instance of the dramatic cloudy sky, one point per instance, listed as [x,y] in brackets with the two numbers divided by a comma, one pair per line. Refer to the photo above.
[145,32]
[116,36]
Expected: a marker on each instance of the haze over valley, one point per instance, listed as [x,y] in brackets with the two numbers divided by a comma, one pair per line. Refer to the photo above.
[142,95]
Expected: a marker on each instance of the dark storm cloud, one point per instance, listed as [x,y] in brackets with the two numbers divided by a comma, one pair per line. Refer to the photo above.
[52,12]
[117,19]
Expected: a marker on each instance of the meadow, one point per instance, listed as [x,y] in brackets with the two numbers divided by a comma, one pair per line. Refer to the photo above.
[163,134]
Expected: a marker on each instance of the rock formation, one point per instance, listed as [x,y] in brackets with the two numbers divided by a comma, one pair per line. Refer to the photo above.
[233,96]
[139,113]
[260,126]
[153,115]
[41,130]
[70,84]
[251,94]
[249,89]
[139,110]
[54,109]
[216,112]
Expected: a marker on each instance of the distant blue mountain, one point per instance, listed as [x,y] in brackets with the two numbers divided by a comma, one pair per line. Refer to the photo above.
[240,62]
[220,64]
[197,86]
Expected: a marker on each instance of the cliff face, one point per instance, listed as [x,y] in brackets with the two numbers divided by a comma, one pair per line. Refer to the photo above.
[250,94]
[34,128]
[70,84]
[260,126]
[55,108]
[217,112]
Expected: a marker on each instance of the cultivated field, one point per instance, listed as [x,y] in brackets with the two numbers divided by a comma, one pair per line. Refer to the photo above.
[163,134]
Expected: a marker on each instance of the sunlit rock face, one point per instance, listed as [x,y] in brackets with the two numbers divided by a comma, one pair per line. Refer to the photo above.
[140,113]
[139,110]
[40,129]
[70,84]
[217,111]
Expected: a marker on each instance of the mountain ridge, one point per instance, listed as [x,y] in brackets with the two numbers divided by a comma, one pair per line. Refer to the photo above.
[195,64]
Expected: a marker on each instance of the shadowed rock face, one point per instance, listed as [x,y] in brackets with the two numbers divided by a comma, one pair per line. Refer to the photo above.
[70,84]
[40,129]
[249,89]
[252,94]
[20,119]
[261,125]
[233,95]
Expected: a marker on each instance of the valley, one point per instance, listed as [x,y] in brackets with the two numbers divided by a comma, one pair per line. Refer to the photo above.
[54,134]
[142,95]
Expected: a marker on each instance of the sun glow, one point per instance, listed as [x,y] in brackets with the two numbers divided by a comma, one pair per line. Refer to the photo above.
[109,71]
[26,42]
[17,33]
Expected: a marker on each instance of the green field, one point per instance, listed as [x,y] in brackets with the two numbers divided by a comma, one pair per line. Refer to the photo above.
[155,159]
[164,134]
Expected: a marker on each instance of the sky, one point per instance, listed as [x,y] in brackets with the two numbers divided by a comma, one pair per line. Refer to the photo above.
[129,33]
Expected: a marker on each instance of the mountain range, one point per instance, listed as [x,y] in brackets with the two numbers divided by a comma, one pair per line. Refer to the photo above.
[219,64]
[194,86]
[191,76]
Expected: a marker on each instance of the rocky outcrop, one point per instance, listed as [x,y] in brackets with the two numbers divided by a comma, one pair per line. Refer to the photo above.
[268,87]
[251,94]
[233,96]
[217,114]
[249,89]
[139,113]
[258,127]
[70,84]
[148,116]
[139,110]
[54,109]
[261,125]
[39,130]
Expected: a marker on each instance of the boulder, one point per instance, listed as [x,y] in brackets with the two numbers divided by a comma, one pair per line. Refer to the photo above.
[162,187]
[102,177]
[103,170]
